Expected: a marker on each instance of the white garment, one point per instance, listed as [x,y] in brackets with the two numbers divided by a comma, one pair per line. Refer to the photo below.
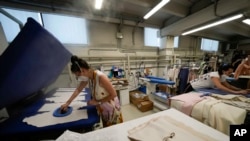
[204,81]
[47,118]
[159,128]
[172,75]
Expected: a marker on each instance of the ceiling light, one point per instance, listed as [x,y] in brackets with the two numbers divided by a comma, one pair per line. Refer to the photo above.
[246,21]
[214,24]
[98,4]
[156,8]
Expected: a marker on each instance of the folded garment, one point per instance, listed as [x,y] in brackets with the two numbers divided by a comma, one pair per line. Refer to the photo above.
[189,99]
[166,127]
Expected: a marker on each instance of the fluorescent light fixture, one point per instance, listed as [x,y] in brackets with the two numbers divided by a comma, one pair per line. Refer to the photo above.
[98,4]
[213,24]
[246,21]
[156,8]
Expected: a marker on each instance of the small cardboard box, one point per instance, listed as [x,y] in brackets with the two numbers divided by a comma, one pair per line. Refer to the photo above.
[145,106]
[137,97]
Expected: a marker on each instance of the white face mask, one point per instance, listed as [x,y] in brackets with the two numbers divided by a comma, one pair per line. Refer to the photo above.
[82,78]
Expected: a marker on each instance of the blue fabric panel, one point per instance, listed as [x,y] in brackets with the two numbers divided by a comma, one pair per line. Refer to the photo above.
[183,78]
[31,62]
[161,81]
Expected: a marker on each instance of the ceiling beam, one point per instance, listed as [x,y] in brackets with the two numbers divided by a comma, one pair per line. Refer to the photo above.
[237,28]
[224,7]
[176,9]
[211,35]
[171,8]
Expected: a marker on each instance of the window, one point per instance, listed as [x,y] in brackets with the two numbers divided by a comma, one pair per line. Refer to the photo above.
[10,27]
[69,30]
[176,41]
[209,45]
[151,37]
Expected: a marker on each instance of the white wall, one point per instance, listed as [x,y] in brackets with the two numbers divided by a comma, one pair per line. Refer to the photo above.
[105,47]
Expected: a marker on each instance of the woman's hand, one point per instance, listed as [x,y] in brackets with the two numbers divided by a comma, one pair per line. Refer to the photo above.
[248,91]
[93,102]
[64,107]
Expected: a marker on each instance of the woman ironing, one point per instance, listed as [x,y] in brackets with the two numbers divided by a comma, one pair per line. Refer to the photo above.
[104,96]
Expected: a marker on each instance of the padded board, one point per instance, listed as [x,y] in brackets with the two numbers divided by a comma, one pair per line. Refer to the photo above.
[154,77]
[31,62]
[161,81]
[217,91]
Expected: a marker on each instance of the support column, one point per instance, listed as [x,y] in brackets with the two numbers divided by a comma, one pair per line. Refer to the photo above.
[167,48]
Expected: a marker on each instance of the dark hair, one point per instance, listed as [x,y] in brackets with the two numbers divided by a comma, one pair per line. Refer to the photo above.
[224,67]
[78,63]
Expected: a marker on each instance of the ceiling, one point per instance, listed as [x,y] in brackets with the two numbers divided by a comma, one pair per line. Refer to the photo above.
[173,19]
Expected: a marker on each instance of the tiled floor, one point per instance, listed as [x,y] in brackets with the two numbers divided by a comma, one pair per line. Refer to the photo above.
[130,112]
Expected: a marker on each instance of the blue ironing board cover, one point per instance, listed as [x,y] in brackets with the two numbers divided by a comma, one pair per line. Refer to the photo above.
[154,77]
[162,81]
[217,91]
[159,80]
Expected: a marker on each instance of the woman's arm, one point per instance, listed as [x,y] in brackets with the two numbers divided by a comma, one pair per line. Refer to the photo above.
[226,84]
[246,66]
[219,85]
[238,70]
[75,94]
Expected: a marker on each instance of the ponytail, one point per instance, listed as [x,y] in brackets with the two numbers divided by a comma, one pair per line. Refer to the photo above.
[77,64]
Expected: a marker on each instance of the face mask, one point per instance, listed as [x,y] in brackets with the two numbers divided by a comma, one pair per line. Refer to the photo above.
[82,78]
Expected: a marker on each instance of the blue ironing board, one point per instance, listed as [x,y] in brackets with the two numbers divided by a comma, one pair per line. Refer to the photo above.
[154,77]
[217,91]
[159,80]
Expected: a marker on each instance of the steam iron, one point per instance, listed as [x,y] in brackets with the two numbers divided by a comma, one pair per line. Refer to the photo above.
[60,113]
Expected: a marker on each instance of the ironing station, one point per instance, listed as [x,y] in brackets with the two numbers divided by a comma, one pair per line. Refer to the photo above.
[161,96]
[30,64]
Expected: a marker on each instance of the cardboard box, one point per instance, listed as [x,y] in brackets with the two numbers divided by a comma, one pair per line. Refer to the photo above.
[136,97]
[145,105]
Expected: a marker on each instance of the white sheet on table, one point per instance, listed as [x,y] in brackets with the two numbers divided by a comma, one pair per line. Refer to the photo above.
[64,98]
[52,106]
[119,132]
[68,93]
[47,118]
[67,89]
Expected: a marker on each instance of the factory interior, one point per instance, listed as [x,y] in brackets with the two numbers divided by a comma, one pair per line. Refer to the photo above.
[124,70]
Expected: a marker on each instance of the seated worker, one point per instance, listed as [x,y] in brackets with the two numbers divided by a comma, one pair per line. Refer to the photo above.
[242,69]
[215,79]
